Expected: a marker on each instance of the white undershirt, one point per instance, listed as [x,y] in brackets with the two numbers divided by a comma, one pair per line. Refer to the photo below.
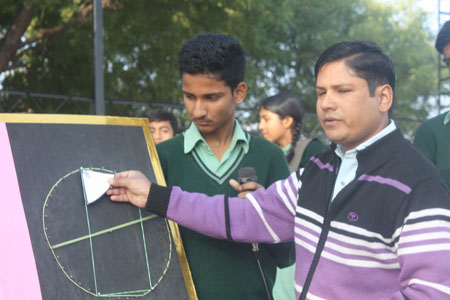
[349,164]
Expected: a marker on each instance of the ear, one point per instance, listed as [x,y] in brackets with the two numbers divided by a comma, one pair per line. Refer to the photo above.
[240,92]
[287,122]
[385,97]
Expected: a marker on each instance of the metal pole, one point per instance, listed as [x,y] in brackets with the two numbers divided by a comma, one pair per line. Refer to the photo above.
[98,58]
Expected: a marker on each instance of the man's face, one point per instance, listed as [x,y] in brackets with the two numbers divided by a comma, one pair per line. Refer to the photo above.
[161,131]
[446,52]
[346,111]
[210,103]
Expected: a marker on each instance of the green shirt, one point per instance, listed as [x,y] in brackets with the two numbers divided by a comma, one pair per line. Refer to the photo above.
[432,138]
[222,269]
[193,140]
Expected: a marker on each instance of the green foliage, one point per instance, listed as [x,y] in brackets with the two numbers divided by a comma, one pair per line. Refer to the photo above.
[283,38]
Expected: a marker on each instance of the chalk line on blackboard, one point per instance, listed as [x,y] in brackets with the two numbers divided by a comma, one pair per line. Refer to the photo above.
[90,235]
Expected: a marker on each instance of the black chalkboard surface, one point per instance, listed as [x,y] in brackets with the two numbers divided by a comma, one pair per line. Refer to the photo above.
[104,250]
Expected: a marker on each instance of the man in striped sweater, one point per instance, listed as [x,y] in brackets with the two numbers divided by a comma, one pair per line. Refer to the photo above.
[370,218]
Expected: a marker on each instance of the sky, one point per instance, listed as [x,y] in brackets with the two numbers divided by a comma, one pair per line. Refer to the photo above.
[431,6]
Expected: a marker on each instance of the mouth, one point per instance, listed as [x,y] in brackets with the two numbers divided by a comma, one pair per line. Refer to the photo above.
[330,121]
[202,122]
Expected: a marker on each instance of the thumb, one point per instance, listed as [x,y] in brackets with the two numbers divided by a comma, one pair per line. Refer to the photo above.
[235,185]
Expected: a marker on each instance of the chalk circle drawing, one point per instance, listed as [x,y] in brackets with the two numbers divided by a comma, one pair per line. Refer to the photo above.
[77,244]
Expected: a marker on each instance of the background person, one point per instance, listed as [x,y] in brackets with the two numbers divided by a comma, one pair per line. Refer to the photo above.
[281,122]
[369,216]
[163,125]
[208,154]
[432,137]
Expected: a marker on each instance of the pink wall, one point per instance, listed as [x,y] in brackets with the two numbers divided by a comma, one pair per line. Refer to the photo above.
[18,273]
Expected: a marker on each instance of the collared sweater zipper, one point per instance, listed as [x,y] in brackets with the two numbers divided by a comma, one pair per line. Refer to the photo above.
[323,234]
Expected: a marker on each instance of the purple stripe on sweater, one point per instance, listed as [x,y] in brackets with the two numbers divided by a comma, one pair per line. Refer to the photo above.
[359,247]
[310,231]
[426,230]
[344,254]
[340,282]
[321,165]
[389,181]
[424,243]
[305,240]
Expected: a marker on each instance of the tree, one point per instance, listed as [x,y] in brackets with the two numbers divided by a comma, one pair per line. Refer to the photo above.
[283,38]
[20,36]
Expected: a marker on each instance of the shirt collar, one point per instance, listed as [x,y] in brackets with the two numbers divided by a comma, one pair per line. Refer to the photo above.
[388,129]
[192,137]
[286,149]
[447,118]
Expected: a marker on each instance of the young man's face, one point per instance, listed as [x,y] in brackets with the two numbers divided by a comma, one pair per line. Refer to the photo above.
[446,52]
[161,131]
[210,103]
[346,111]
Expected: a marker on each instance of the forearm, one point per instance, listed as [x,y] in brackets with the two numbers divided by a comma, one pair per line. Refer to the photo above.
[261,217]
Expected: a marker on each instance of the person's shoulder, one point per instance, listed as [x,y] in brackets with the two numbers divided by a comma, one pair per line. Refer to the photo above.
[430,129]
[434,121]
[409,160]
[316,144]
[171,144]
[261,144]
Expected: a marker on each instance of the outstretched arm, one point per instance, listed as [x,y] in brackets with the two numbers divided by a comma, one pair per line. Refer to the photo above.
[267,216]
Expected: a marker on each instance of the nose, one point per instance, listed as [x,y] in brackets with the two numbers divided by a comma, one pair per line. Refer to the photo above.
[156,136]
[260,125]
[326,102]
[199,109]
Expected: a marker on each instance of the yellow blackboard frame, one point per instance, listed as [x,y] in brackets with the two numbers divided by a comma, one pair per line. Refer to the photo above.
[120,121]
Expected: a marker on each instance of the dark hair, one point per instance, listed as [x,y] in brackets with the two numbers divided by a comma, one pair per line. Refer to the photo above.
[443,37]
[366,59]
[216,54]
[287,104]
[162,115]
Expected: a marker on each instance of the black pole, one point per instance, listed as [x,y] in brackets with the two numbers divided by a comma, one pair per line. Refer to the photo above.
[98,58]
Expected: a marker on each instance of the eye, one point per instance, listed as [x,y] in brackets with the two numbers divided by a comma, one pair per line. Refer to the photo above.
[189,96]
[212,97]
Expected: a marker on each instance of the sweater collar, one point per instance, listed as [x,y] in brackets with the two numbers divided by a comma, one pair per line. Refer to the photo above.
[388,129]
[389,145]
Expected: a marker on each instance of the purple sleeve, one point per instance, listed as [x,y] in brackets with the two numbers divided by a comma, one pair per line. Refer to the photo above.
[424,257]
[263,216]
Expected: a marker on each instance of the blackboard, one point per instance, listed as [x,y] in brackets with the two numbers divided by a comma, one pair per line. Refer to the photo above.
[54,246]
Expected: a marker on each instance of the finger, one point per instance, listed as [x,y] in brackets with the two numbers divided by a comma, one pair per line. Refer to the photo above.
[242,194]
[119,198]
[235,185]
[116,191]
[249,186]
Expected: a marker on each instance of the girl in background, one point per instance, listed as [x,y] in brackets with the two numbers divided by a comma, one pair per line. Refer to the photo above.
[281,118]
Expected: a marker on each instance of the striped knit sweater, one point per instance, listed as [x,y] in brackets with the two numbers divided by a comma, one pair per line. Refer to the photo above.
[386,235]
